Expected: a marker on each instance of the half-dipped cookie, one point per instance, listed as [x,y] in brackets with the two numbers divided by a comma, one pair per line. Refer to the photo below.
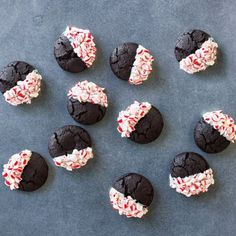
[131,62]
[75,50]
[20,82]
[195,51]
[140,122]
[71,147]
[25,171]
[87,102]
[131,195]
[214,132]
[190,174]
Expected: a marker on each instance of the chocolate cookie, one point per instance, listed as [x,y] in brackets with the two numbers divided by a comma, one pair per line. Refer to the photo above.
[70,147]
[195,51]
[75,50]
[19,83]
[131,194]
[214,132]
[140,122]
[87,103]
[190,174]
[26,171]
[131,62]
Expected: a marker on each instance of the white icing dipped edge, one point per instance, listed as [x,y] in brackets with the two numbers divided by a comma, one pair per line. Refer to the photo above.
[75,160]
[126,205]
[223,123]
[13,170]
[193,184]
[128,118]
[142,66]
[88,92]
[83,44]
[201,59]
[25,90]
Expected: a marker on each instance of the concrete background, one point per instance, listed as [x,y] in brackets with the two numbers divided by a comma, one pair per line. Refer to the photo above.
[77,203]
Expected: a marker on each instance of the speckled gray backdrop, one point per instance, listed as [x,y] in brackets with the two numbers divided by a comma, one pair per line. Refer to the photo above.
[77,203]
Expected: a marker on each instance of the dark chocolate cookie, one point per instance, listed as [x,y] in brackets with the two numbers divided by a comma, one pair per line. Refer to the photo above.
[148,128]
[122,59]
[75,50]
[189,42]
[136,186]
[12,73]
[66,139]
[35,173]
[209,139]
[188,163]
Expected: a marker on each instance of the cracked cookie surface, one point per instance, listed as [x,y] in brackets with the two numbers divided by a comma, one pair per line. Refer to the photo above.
[122,59]
[148,128]
[209,139]
[136,186]
[12,73]
[85,113]
[189,42]
[34,174]
[67,138]
[188,163]
[66,57]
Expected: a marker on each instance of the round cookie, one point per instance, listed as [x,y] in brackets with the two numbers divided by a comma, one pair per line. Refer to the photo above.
[214,132]
[190,174]
[25,171]
[131,195]
[75,50]
[20,82]
[71,147]
[140,122]
[131,62]
[195,51]
[87,103]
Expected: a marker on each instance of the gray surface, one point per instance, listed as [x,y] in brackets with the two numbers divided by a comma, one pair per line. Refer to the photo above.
[77,203]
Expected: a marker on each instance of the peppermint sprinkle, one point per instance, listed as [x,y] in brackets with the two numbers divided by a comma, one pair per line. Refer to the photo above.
[129,118]
[223,123]
[126,205]
[201,59]
[75,160]
[13,170]
[142,66]
[88,92]
[83,44]
[193,184]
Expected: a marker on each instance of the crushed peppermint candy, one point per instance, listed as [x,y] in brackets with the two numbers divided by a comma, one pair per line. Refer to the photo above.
[88,92]
[128,118]
[142,66]
[25,90]
[126,205]
[193,184]
[13,170]
[223,123]
[83,44]
[201,59]
[75,160]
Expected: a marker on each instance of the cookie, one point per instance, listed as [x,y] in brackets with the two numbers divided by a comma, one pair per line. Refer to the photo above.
[75,50]
[190,174]
[19,83]
[140,122]
[71,147]
[87,103]
[131,62]
[214,132]
[131,195]
[25,171]
[195,51]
